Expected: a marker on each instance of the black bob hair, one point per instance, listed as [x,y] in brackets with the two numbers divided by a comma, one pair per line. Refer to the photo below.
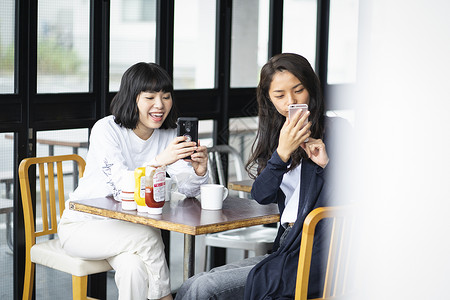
[141,77]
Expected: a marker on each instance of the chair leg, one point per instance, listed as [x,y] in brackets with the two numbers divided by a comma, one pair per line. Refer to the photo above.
[28,280]
[79,287]
[205,258]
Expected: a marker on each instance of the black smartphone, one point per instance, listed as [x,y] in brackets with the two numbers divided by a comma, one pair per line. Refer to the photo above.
[188,127]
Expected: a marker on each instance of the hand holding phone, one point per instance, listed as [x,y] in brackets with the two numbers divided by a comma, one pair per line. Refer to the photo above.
[188,127]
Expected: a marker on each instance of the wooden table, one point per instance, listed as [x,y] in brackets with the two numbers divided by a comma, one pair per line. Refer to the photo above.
[242,185]
[187,217]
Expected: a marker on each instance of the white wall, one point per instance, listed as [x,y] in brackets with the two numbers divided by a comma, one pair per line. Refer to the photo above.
[403,126]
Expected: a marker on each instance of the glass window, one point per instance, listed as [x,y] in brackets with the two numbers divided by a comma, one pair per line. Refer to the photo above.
[6,214]
[138,10]
[62,142]
[343,39]
[205,132]
[132,36]
[243,134]
[249,41]
[7,34]
[300,27]
[194,44]
[63,46]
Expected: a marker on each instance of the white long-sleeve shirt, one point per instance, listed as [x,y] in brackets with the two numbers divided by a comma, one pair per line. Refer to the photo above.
[113,150]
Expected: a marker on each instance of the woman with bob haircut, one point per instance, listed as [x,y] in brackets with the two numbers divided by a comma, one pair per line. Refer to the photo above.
[139,132]
[291,167]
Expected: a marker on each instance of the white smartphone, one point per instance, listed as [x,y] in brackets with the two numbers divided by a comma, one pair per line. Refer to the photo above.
[293,108]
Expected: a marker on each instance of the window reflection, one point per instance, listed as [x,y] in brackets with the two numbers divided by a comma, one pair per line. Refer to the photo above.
[63,46]
[194,44]
[7,34]
[132,36]
[243,134]
[249,41]
[139,11]
[6,214]
[299,28]
[343,39]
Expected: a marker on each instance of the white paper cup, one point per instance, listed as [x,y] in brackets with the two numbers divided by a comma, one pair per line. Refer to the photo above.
[127,193]
[128,202]
[212,196]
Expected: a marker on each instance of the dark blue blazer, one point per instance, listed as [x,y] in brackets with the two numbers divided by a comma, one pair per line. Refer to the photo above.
[275,276]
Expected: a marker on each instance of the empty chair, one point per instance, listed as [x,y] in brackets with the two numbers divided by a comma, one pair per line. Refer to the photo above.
[49,253]
[7,208]
[217,169]
[257,238]
[336,284]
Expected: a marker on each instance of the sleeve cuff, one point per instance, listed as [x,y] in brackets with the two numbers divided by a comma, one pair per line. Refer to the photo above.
[276,160]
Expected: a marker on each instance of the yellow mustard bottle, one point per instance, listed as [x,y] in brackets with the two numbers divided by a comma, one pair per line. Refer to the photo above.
[139,189]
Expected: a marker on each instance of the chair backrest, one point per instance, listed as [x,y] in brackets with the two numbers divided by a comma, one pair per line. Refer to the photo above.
[216,167]
[46,169]
[338,258]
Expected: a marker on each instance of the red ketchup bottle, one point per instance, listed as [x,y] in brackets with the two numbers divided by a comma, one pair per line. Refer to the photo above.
[155,180]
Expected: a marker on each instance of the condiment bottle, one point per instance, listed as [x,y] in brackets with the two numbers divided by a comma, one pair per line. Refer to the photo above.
[155,180]
[139,189]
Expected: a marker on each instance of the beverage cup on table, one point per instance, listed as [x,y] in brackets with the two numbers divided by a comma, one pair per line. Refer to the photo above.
[127,193]
[170,186]
[212,196]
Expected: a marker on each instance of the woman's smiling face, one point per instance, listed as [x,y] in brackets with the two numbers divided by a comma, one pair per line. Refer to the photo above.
[153,109]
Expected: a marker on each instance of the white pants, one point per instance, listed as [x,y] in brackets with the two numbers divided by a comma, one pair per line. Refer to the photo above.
[135,251]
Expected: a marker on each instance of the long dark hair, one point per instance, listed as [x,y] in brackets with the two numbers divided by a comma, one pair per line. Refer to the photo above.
[141,77]
[271,121]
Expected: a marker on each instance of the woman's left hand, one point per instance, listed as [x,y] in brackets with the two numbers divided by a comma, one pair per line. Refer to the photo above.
[199,160]
[315,148]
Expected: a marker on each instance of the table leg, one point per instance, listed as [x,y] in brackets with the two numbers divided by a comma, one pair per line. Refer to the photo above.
[75,169]
[189,256]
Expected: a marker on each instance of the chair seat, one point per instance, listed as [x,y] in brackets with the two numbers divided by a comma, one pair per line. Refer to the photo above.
[257,238]
[51,254]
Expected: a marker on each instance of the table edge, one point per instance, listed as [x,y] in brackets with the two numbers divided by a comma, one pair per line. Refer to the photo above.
[182,228]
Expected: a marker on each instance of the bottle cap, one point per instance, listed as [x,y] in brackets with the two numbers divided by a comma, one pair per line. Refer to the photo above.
[142,208]
[154,210]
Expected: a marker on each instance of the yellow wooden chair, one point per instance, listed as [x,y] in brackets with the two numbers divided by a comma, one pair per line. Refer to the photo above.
[49,253]
[336,283]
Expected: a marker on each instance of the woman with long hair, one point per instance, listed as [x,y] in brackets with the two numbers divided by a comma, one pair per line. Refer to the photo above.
[291,167]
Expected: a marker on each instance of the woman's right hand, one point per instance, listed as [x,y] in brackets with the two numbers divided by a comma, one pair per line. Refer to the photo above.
[177,149]
[292,135]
